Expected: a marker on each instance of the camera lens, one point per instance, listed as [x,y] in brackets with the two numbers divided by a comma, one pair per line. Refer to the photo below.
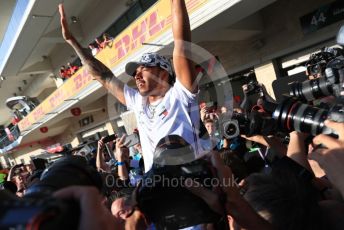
[292,115]
[311,89]
[231,129]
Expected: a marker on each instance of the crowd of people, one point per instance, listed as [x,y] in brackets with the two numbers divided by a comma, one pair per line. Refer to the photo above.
[100,44]
[289,181]
[67,72]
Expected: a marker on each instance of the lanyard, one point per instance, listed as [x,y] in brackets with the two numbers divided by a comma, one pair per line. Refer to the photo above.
[265,154]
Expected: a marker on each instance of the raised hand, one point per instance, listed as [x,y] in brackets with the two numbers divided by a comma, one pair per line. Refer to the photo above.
[331,158]
[64,25]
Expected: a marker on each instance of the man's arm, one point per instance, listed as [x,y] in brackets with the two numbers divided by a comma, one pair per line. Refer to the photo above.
[100,163]
[185,72]
[297,150]
[97,69]
[122,169]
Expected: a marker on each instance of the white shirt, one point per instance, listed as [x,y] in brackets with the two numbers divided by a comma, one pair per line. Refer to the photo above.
[177,113]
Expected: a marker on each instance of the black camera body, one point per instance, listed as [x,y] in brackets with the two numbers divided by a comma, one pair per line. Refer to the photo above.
[254,123]
[169,205]
[253,87]
[233,127]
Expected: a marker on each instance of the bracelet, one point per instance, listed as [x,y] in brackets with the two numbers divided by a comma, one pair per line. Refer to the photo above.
[119,163]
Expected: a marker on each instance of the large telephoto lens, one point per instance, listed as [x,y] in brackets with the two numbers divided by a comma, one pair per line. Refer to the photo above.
[311,89]
[292,115]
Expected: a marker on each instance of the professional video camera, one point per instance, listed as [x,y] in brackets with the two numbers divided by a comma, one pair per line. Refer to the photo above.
[163,198]
[38,209]
[329,65]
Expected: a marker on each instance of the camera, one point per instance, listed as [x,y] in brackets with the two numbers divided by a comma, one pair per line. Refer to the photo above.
[109,138]
[331,70]
[252,93]
[289,115]
[238,124]
[162,196]
[130,140]
[38,209]
[292,115]
[254,123]
[253,87]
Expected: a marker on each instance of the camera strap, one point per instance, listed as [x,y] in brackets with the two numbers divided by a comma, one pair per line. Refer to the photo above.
[267,168]
[263,156]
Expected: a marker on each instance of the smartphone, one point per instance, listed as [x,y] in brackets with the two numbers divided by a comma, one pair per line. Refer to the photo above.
[110,138]
[131,140]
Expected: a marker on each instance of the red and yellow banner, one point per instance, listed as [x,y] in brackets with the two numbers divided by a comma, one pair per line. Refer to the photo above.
[149,26]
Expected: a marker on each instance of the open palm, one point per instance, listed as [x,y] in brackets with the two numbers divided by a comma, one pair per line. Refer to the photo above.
[65,30]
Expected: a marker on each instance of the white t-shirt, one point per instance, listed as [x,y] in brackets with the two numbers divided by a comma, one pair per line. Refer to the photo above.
[177,113]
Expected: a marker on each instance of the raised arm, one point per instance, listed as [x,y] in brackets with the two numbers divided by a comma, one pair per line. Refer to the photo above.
[297,149]
[185,72]
[100,162]
[120,156]
[97,69]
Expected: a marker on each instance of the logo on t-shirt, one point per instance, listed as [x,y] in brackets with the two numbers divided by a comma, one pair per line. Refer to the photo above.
[163,112]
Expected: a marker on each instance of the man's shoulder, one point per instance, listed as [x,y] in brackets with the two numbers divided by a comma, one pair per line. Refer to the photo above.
[179,89]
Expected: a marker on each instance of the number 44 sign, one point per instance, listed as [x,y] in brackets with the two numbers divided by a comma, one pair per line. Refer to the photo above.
[318,20]
[322,17]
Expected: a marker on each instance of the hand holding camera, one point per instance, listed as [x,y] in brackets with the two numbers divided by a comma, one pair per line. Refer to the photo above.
[121,152]
[101,144]
[331,158]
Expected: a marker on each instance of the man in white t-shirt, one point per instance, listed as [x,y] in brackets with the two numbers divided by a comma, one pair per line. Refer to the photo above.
[172,113]
[161,109]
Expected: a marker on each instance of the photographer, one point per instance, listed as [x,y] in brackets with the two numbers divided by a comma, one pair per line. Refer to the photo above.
[211,139]
[208,112]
